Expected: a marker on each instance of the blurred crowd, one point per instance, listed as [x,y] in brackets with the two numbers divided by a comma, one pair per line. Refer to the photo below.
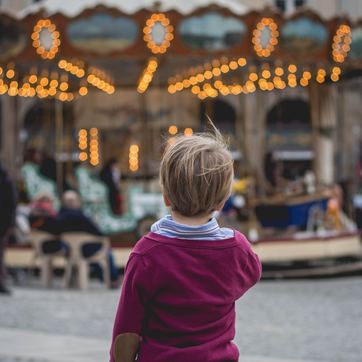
[19,215]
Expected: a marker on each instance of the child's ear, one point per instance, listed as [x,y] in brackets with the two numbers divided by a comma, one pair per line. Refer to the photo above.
[220,206]
[166,200]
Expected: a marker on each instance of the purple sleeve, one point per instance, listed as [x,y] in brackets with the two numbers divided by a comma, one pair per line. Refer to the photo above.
[136,289]
[252,267]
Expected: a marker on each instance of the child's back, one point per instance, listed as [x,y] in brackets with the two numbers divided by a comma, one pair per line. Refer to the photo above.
[181,284]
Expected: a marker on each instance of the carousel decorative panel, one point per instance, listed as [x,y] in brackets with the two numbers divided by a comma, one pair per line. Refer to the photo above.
[46,39]
[103,33]
[303,36]
[265,37]
[158,33]
[12,38]
[356,46]
[212,31]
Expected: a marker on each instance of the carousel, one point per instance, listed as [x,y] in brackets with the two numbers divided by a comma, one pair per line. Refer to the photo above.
[122,79]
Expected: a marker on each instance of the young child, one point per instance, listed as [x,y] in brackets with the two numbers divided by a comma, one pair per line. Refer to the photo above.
[182,279]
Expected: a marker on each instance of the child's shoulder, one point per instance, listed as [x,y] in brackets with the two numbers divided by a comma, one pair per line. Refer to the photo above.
[242,242]
[144,245]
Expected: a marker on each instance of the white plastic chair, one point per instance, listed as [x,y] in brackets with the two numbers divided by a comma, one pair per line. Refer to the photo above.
[75,241]
[37,239]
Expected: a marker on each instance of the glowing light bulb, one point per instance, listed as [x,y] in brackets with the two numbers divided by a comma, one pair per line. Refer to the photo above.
[172,130]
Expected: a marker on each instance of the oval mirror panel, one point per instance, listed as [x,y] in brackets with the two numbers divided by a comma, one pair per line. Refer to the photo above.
[212,31]
[103,33]
[303,36]
[356,45]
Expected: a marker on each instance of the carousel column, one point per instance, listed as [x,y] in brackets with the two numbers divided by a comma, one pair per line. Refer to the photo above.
[59,124]
[9,133]
[240,134]
[323,101]
[145,151]
[254,114]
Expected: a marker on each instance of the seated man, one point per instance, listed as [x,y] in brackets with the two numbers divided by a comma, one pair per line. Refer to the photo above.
[43,214]
[71,218]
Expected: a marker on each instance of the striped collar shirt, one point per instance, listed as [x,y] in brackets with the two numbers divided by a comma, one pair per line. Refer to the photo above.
[209,231]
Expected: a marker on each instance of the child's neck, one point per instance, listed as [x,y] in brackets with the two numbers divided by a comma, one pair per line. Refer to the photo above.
[190,221]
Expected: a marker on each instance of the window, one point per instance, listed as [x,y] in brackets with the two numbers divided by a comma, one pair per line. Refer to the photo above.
[280,4]
[289,6]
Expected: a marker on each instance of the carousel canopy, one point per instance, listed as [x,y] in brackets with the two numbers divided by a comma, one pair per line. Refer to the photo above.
[73,8]
[62,51]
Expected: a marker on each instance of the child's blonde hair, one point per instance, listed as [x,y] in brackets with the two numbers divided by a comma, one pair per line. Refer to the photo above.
[196,173]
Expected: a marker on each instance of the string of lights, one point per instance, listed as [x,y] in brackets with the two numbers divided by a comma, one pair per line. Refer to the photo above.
[41,85]
[134,157]
[94,146]
[205,72]
[83,144]
[147,75]
[76,68]
[266,80]
[173,131]
[44,85]
[101,80]
[89,141]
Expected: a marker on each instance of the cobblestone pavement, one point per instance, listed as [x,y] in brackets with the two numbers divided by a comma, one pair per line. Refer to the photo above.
[277,321]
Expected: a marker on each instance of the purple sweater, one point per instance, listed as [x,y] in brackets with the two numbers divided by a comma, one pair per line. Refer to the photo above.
[179,296]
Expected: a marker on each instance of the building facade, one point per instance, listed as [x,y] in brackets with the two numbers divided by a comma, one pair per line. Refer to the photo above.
[14,6]
[325,8]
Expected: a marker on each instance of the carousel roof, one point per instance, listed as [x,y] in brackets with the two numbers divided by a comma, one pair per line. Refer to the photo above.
[73,8]
[60,51]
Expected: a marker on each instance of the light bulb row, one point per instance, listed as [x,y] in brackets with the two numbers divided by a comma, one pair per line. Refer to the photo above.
[97,77]
[40,85]
[147,75]
[173,130]
[76,69]
[204,73]
[83,144]
[133,157]
[100,80]
[94,146]
[265,82]
[27,90]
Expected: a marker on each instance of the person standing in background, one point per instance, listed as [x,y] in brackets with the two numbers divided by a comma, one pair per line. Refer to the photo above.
[33,155]
[7,219]
[111,176]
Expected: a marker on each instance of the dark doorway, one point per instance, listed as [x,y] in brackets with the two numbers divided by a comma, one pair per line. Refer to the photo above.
[289,136]
[39,135]
[39,126]
[221,113]
[290,113]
